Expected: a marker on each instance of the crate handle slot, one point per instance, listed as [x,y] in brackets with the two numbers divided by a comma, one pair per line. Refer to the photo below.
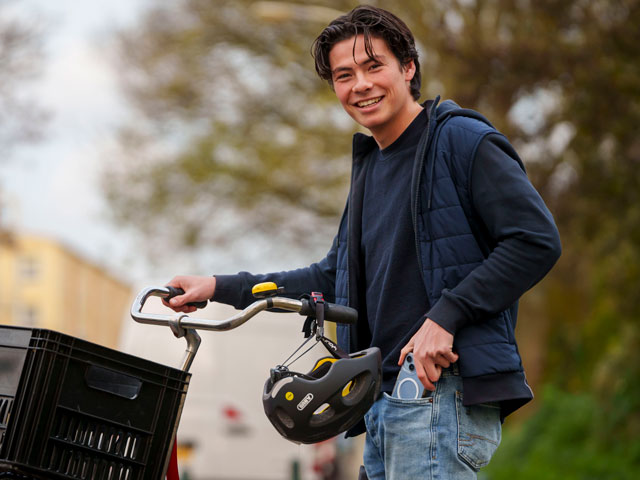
[109,381]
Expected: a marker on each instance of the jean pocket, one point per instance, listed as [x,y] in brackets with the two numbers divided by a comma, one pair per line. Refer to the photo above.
[479,432]
[427,400]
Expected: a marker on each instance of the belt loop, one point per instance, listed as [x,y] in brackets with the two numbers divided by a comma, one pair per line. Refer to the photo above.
[451,370]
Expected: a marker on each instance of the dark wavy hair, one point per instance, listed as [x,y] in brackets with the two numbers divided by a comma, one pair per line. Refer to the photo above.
[370,22]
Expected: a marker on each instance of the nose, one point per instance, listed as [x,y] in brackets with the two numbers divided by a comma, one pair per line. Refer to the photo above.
[362,83]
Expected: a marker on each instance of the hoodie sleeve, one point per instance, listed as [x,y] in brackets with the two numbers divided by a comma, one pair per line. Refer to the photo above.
[235,289]
[525,240]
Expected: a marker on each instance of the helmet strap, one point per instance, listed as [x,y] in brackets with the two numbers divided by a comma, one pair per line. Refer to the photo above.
[314,323]
[333,348]
[286,363]
[314,327]
[318,301]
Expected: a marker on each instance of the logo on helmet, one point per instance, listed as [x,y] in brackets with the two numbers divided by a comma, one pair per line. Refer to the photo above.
[305,401]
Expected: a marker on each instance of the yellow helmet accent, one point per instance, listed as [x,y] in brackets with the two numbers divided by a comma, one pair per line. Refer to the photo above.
[347,388]
[288,395]
[322,361]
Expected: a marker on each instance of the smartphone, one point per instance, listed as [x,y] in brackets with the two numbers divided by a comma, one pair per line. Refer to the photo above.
[408,385]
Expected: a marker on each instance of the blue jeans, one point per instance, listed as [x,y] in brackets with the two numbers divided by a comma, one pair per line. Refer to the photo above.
[434,438]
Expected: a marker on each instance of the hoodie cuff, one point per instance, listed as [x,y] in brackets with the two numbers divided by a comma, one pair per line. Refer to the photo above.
[228,289]
[448,314]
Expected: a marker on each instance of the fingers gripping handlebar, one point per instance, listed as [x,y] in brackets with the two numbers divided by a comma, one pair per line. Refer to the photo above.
[174,292]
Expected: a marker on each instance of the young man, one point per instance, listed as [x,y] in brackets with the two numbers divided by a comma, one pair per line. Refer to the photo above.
[443,233]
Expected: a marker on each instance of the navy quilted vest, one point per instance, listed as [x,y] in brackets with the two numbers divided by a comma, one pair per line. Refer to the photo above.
[447,248]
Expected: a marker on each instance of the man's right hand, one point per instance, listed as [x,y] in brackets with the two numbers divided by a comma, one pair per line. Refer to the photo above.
[196,289]
[432,348]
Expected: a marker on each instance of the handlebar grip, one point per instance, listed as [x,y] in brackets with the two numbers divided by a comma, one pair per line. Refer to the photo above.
[174,292]
[332,312]
[340,314]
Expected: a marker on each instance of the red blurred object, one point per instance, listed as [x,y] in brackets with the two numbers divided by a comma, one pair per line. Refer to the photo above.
[231,413]
[325,462]
[172,471]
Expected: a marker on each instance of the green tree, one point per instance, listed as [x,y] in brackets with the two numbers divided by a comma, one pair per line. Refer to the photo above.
[233,122]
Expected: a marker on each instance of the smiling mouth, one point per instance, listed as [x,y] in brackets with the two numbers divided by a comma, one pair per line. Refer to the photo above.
[367,103]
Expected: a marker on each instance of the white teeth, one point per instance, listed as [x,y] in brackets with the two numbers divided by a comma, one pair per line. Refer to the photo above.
[366,103]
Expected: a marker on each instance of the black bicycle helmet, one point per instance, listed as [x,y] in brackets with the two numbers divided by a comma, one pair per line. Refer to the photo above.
[330,399]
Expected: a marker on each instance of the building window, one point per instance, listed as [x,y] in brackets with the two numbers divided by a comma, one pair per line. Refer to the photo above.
[28,268]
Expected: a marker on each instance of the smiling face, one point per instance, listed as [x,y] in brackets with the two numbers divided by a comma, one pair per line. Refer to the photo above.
[373,91]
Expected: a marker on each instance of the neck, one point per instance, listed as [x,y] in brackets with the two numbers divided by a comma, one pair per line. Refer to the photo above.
[385,135]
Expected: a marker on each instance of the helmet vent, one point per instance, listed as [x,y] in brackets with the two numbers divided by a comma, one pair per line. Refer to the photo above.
[322,367]
[322,415]
[284,418]
[358,389]
[321,408]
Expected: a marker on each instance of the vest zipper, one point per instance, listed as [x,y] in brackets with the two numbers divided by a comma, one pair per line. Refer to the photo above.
[349,209]
[422,150]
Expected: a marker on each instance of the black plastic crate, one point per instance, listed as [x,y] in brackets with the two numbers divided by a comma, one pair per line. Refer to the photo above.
[72,409]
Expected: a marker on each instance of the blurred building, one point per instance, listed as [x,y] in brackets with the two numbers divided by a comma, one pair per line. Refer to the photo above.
[47,285]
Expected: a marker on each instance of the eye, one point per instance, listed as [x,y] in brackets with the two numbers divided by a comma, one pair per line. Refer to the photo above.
[342,76]
[375,66]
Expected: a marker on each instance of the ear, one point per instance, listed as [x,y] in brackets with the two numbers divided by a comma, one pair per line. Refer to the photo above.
[409,70]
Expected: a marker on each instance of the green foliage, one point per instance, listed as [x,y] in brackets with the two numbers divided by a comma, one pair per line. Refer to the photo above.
[569,438]
[233,123]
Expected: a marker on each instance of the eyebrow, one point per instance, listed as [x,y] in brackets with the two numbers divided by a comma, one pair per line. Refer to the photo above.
[377,58]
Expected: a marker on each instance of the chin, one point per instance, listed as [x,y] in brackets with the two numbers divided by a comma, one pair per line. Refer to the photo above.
[365,121]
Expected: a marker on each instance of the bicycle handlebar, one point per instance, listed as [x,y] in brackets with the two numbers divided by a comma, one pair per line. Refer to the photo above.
[184,326]
[333,312]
